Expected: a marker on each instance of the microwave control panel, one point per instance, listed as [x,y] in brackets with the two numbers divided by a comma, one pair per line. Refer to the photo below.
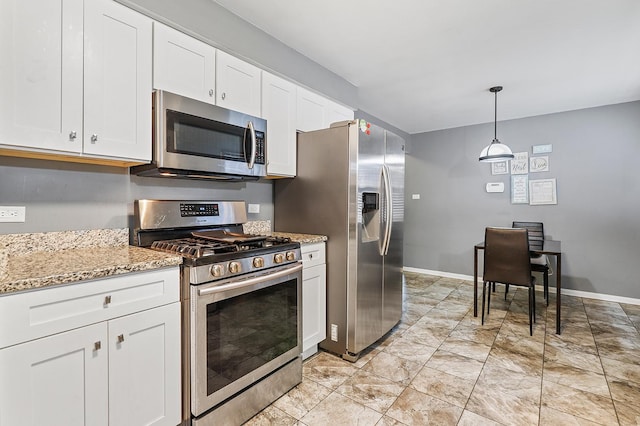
[260,154]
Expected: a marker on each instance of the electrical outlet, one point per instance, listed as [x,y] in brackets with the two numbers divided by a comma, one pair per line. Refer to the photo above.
[415,196]
[254,208]
[334,332]
[12,213]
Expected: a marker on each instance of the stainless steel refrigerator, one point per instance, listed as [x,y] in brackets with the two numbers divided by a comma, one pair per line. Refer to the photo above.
[350,187]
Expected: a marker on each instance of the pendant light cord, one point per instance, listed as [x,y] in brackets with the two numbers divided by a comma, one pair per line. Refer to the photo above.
[495,117]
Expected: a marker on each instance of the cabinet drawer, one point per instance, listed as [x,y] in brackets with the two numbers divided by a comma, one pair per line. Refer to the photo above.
[312,254]
[30,315]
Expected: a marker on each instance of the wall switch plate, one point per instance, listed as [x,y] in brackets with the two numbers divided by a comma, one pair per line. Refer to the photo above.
[254,208]
[415,196]
[12,213]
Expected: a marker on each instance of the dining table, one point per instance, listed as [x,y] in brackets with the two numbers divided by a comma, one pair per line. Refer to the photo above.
[550,248]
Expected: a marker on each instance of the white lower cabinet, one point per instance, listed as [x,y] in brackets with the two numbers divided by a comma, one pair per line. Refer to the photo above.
[123,370]
[144,367]
[56,380]
[314,297]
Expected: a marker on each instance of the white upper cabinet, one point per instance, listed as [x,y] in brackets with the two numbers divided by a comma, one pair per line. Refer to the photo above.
[279,109]
[337,112]
[117,86]
[75,79]
[183,64]
[41,74]
[237,84]
[311,110]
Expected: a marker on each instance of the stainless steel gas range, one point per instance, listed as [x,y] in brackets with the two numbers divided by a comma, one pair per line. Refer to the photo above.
[241,307]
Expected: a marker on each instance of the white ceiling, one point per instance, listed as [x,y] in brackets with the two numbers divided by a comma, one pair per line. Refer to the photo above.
[424,65]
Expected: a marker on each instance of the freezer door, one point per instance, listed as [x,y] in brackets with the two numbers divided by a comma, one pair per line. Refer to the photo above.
[392,285]
[364,294]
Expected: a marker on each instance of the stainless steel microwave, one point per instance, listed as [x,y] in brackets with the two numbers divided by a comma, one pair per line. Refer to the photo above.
[193,139]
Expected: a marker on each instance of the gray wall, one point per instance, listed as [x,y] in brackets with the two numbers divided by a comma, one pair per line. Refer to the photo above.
[595,152]
[66,196]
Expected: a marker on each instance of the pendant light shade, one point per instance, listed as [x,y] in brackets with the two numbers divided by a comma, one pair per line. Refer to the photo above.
[495,151]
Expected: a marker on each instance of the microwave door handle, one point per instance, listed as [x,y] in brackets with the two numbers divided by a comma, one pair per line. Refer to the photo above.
[254,145]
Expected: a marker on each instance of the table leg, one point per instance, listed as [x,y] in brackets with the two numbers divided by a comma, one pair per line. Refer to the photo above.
[558,289]
[475,281]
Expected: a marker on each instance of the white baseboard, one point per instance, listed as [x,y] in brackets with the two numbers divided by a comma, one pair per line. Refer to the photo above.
[552,289]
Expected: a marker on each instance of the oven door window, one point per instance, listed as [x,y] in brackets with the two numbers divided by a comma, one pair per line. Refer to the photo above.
[247,331]
[188,134]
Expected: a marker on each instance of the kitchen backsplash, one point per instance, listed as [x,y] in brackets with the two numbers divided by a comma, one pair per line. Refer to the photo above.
[53,241]
[259,227]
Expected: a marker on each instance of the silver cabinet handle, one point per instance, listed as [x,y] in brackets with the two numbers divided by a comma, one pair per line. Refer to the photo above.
[107,300]
[72,135]
[94,138]
[97,345]
[210,92]
[120,338]
[224,95]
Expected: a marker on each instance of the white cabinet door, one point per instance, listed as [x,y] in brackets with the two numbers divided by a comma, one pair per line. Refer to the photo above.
[144,368]
[41,74]
[183,64]
[314,312]
[279,109]
[237,84]
[337,112]
[117,85]
[56,380]
[310,110]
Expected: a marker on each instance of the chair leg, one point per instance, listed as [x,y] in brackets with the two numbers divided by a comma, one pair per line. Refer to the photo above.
[506,290]
[494,286]
[484,287]
[546,285]
[489,300]
[530,305]
[533,292]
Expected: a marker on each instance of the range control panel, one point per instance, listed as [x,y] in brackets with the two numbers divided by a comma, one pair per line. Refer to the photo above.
[188,210]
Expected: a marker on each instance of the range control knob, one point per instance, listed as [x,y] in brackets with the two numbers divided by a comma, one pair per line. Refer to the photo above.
[234,267]
[258,262]
[217,270]
[278,258]
[291,255]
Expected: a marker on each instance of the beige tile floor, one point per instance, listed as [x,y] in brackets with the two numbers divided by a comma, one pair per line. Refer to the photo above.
[440,366]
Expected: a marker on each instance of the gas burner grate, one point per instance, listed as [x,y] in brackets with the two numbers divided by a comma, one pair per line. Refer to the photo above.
[193,248]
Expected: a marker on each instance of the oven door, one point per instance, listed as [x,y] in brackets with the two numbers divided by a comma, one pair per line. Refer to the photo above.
[242,329]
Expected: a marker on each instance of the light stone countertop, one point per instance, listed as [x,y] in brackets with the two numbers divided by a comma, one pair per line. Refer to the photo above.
[301,238]
[29,261]
[263,227]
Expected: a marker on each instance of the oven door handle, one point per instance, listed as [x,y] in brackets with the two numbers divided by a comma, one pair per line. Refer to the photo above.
[250,281]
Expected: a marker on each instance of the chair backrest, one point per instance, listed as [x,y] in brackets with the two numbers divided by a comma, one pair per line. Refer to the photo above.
[536,233]
[506,256]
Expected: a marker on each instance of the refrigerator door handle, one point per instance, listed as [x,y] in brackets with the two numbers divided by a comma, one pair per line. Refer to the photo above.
[388,201]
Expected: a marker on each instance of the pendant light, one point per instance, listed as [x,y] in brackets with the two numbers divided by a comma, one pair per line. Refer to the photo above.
[495,151]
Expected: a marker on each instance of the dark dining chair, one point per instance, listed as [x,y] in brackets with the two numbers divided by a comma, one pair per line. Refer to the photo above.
[506,261]
[539,262]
